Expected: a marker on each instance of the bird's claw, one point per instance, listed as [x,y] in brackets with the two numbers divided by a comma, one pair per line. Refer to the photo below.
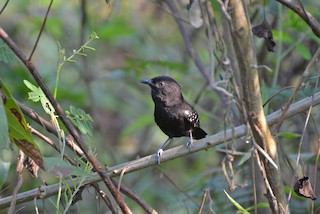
[189,145]
[159,154]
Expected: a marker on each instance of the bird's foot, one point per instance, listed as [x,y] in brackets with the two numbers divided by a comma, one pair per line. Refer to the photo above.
[189,145]
[159,154]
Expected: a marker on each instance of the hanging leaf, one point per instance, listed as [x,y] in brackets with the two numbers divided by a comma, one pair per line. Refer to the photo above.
[19,133]
[195,14]
[303,188]
[31,166]
[264,31]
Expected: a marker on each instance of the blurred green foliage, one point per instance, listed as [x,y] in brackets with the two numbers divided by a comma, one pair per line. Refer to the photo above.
[139,39]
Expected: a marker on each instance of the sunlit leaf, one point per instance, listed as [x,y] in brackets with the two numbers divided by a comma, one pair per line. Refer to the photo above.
[289,135]
[236,204]
[37,94]
[259,205]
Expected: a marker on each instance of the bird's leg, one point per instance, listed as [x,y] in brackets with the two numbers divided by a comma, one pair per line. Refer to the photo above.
[190,141]
[160,150]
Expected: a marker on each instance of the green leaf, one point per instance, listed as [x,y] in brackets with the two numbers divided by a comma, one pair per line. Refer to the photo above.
[260,205]
[6,54]
[4,169]
[303,51]
[289,135]
[4,129]
[80,119]
[37,94]
[236,204]
[19,133]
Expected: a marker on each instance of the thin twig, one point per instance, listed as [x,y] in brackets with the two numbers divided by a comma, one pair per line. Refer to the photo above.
[299,154]
[41,30]
[4,6]
[19,180]
[294,93]
[178,188]
[315,172]
[136,198]
[120,178]
[263,152]
[49,127]
[204,195]
[104,197]
[318,151]
[314,59]
[270,195]
[51,143]
[254,184]
[275,94]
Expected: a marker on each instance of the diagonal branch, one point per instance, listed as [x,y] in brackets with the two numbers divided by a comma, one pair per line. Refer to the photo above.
[176,152]
[98,167]
[305,15]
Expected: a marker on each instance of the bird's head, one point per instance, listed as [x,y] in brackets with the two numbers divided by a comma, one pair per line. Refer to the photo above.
[164,90]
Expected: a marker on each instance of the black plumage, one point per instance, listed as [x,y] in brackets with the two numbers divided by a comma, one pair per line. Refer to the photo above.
[174,116]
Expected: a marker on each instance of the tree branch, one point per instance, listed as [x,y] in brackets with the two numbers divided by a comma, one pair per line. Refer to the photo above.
[305,15]
[176,152]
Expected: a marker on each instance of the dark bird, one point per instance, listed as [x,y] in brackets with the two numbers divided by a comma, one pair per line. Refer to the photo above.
[174,116]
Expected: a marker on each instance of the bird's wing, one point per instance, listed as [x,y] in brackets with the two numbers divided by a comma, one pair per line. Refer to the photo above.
[190,115]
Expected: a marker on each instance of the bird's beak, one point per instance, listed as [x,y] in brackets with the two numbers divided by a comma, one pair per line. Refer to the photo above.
[148,82]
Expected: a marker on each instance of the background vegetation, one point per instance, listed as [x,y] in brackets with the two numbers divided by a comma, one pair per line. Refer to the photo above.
[140,39]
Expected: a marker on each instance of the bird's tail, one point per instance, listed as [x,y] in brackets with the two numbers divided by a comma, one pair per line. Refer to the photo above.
[198,133]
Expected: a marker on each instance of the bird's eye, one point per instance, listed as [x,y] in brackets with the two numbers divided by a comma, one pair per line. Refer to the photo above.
[161,83]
